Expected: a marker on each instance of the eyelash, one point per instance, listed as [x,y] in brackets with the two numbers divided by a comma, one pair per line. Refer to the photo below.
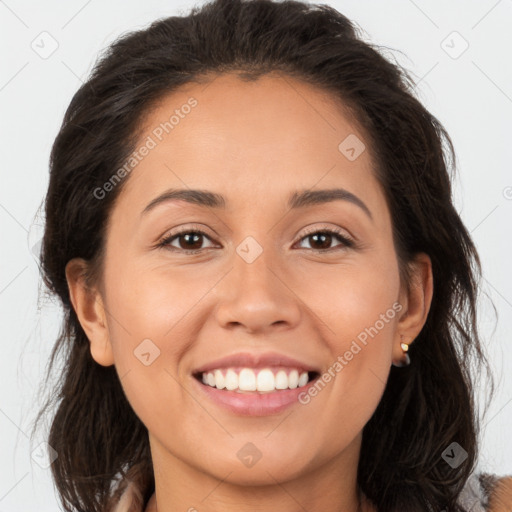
[347,243]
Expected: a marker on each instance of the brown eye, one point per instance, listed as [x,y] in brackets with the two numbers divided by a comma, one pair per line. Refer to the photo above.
[322,240]
[188,241]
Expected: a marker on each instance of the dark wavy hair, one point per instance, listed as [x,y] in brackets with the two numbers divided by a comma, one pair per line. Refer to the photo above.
[425,406]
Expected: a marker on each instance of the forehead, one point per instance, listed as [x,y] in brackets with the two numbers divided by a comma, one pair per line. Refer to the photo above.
[257,139]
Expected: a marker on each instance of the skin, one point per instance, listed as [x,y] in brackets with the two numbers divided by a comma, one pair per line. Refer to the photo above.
[254,143]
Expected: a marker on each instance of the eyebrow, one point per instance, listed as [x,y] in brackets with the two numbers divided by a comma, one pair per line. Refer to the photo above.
[299,199]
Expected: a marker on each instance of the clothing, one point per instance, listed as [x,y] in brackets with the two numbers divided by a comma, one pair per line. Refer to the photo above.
[475,496]
[476,493]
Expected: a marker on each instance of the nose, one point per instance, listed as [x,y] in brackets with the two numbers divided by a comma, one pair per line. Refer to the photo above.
[257,298]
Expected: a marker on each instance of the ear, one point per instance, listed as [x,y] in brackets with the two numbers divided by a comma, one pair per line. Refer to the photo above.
[88,305]
[416,302]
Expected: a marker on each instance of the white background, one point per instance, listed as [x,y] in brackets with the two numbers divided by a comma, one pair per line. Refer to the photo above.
[471,95]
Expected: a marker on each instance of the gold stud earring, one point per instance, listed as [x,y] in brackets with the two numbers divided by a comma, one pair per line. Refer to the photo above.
[406,360]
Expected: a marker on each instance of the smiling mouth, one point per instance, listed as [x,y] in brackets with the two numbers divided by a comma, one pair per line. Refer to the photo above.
[256,380]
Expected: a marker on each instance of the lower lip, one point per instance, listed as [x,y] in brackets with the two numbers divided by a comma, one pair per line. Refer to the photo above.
[254,403]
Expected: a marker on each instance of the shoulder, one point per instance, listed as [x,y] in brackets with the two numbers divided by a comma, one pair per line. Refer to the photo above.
[500,496]
[486,492]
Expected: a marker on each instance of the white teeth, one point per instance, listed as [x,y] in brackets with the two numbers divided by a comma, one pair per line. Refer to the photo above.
[293,379]
[303,379]
[219,380]
[281,380]
[265,380]
[247,379]
[231,381]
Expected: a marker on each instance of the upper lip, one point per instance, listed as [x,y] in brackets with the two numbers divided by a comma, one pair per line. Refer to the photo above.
[257,360]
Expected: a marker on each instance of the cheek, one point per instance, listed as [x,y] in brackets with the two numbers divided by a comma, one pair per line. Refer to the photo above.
[353,297]
[151,303]
[359,311]
[152,320]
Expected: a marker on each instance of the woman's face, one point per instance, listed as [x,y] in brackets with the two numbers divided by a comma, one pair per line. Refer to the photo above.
[265,280]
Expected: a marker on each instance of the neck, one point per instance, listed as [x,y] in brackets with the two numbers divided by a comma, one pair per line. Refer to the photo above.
[331,486]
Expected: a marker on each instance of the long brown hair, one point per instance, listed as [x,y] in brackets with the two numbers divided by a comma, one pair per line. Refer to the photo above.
[426,406]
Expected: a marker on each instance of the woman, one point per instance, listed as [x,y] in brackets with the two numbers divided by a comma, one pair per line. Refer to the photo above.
[270,298]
